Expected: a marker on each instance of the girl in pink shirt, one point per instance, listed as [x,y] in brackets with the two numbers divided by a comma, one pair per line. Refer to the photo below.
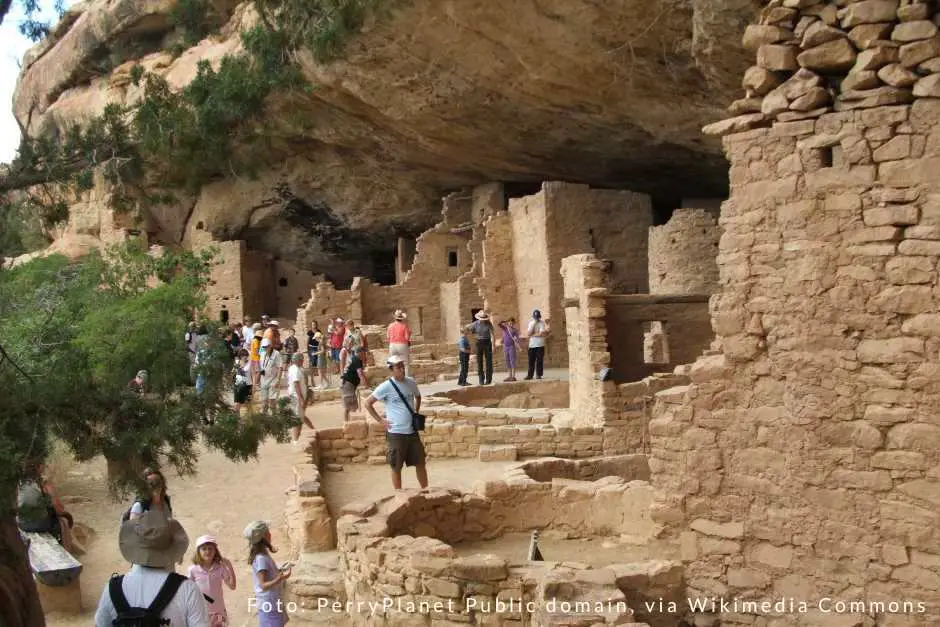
[209,570]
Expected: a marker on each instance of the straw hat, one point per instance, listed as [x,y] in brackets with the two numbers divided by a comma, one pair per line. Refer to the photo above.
[482,315]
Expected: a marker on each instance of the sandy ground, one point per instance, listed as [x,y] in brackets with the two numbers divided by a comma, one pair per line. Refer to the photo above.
[221,498]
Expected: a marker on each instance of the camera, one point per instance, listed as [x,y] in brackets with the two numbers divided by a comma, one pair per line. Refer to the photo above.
[262,373]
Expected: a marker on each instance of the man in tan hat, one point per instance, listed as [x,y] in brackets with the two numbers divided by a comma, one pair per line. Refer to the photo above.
[153,544]
[399,339]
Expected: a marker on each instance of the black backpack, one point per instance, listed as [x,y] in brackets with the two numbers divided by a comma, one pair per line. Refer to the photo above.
[145,506]
[128,616]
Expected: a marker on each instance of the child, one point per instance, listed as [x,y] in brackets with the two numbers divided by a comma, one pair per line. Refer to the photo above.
[209,570]
[510,346]
[242,376]
[267,576]
[291,346]
[463,345]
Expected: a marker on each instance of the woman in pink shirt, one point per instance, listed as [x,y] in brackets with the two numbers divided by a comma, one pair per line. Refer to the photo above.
[399,339]
[209,570]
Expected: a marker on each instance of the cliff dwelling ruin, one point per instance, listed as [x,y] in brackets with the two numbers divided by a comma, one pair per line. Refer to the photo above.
[748,410]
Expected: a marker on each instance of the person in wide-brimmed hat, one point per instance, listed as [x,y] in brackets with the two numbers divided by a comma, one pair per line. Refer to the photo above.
[154,544]
[484,332]
[398,335]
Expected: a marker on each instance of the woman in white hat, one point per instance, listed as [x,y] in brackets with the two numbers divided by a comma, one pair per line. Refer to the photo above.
[399,339]
[210,570]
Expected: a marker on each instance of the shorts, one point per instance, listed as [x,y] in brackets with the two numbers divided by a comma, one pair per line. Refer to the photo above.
[312,360]
[404,450]
[242,393]
[269,392]
[334,354]
[348,391]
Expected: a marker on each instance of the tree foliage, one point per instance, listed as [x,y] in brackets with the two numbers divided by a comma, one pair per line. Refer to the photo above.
[76,333]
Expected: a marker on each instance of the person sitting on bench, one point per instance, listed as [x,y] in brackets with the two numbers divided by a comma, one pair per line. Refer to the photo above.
[38,508]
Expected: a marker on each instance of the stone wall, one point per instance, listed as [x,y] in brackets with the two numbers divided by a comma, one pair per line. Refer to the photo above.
[683,252]
[225,291]
[498,282]
[804,459]
[326,302]
[309,522]
[530,262]
[259,290]
[292,287]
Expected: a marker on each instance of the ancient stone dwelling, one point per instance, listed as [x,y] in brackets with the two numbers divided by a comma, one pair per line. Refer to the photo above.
[796,465]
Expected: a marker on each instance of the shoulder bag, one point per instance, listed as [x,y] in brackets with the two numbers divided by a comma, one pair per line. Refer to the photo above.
[417,420]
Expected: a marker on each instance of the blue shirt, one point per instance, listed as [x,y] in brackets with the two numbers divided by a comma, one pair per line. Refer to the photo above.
[397,413]
[463,344]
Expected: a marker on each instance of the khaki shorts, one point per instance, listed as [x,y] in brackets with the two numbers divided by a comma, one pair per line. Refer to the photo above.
[348,391]
[269,392]
[404,450]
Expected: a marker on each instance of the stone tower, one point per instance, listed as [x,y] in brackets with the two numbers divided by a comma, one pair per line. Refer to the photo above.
[803,463]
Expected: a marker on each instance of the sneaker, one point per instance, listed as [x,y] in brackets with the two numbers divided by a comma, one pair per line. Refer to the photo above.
[527,379]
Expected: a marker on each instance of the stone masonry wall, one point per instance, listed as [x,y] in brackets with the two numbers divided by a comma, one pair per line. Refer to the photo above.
[530,262]
[804,459]
[297,289]
[225,291]
[683,252]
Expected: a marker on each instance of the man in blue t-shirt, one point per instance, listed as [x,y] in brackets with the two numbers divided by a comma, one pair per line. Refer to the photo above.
[404,445]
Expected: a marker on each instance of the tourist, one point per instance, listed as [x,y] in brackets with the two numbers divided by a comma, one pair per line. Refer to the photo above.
[399,339]
[463,346]
[156,499]
[210,570]
[38,508]
[242,381]
[270,373]
[484,332]
[337,335]
[538,330]
[254,353]
[354,335]
[316,354]
[291,346]
[201,358]
[268,577]
[190,338]
[510,346]
[138,385]
[301,394]
[153,544]
[247,333]
[402,399]
[345,352]
[273,333]
[352,377]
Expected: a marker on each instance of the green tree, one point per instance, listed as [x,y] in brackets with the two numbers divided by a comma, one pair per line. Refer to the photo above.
[74,336]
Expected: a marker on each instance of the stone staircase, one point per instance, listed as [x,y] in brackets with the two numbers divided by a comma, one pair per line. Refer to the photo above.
[316,583]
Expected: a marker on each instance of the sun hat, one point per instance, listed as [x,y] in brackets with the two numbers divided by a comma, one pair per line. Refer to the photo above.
[482,315]
[394,359]
[207,539]
[153,540]
[275,323]
[255,531]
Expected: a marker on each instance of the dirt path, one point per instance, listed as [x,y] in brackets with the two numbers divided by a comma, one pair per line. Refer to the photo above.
[221,499]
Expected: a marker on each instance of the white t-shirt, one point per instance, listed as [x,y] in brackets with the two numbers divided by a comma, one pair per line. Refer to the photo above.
[536,326]
[187,609]
[295,374]
[271,366]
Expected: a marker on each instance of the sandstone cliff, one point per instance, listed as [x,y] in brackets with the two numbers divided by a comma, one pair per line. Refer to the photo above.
[439,95]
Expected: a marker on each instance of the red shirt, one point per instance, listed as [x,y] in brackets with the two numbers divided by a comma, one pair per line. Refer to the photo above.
[399,333]
[336,337]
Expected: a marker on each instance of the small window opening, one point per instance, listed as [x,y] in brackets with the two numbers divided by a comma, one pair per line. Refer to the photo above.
[200,226]
[282,282]
[452,257]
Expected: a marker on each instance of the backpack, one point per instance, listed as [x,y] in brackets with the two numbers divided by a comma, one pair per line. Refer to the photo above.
[128,616]
[145,506]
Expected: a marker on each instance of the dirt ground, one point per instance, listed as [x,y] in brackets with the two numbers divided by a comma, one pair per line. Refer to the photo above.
[221,498]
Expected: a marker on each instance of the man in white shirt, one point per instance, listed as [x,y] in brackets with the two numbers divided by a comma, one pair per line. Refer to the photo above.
[401,398]
[154,544]
[270,365]
[538,330]
[298,389]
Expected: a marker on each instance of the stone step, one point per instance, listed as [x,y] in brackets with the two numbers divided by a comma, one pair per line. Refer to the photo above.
[498,453]
[317,576]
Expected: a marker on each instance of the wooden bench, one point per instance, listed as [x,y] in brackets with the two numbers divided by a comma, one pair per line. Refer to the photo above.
[56,571]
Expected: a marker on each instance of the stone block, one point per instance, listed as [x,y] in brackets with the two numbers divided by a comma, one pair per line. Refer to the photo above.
[498,453]
[722,530]
[893,350]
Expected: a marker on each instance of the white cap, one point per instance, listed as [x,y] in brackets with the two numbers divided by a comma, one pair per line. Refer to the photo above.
[265,342]
[274,323]
[394,359]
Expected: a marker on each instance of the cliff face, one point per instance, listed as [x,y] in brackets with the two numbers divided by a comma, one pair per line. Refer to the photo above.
[439,95]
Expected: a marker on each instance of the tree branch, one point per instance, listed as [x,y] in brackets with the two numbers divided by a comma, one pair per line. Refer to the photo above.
[6,357]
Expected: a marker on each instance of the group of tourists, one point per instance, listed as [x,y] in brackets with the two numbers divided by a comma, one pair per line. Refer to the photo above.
[485,332]
[152,592]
